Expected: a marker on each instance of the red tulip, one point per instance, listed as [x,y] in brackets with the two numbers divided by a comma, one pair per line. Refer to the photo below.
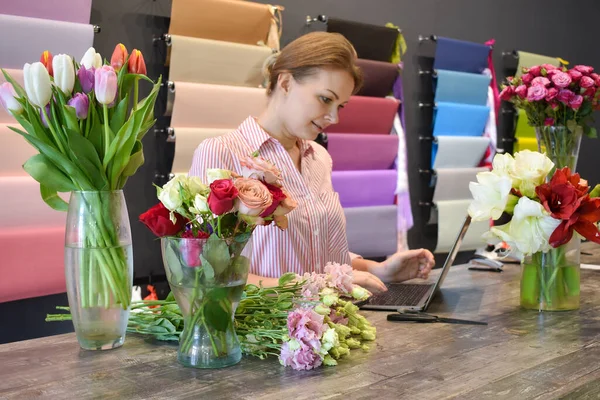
[46,59]
[119,57]
[137,65]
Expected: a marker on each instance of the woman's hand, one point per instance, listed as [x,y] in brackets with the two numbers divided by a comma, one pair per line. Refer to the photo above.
[368,281]
[404,265]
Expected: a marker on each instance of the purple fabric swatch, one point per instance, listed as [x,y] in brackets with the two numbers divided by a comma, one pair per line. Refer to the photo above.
[353,151]
[365,188]
[59,10]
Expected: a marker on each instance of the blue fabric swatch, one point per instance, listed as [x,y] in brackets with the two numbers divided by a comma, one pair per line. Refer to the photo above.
[462,87]
[458,55]
[454,119]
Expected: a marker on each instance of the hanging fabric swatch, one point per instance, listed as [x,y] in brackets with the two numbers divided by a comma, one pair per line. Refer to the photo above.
[528,60]
[453,183]
[371,230]
[365,114]
[451,215]
[461,87]
[59,10]
[459,119]
[196,60]
[458,55]
[227,20]
[186,142]
[33,36]
[458,151]
[215,106]
[353,151]
[365,188]
[525,136]
[379,77]
[14,151]
[372,42]
[525,143]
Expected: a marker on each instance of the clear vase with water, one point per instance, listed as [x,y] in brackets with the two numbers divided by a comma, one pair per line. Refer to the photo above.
[99,267]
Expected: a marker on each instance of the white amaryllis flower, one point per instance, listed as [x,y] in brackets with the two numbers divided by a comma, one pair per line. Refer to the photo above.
[530,228]
[214,174]
[531,169]
[490,194]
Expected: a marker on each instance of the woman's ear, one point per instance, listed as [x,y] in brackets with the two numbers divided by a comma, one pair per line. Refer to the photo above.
[284,81]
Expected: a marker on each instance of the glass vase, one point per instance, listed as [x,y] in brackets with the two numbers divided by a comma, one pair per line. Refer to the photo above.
[99,267]
[207,278]
[559,144]
[550,280]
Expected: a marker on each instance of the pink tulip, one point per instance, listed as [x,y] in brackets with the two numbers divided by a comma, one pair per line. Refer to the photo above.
[105,84]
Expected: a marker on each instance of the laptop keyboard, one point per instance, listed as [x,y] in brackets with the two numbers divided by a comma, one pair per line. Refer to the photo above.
[401,294]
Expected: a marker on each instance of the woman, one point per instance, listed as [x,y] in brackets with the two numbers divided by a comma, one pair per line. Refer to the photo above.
[309,81]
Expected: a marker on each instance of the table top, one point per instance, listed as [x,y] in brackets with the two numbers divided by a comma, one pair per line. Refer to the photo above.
[519,355]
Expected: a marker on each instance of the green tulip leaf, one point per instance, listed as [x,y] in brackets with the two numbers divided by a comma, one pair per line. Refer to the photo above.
[43,170]
[50,197]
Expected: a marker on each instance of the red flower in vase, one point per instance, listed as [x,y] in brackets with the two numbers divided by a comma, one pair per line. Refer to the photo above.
[583,220]
[191,249]
[157,220]
[559,196]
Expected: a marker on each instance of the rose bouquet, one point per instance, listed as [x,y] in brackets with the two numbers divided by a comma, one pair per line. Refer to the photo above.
[547,218]
[87,122]
[206,245]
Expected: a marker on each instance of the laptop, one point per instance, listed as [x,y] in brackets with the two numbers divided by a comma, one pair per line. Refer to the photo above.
[415,296]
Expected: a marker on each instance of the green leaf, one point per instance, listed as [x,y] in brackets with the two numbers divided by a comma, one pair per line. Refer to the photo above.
[217,294]
[136,159]
[243,237]
[43,170]
[52,199]
[172,263]
[571,125]
[20,91]
[595,191]
[217,253]
[84,153]
[71,119]
[592,133]
[286,278]
[120,112]
[216,316]
[96,132]
[208,270]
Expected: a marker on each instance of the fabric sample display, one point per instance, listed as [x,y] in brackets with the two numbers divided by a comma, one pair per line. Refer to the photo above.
[14,151]
[528,60]
[453,183]
[372,42]
[523,129]
[353,151]
[459,119]
[212,61]
[228,20]
[32,36]
[379,77]
[23,193]
[215,106]
[371,230]
[451,215]
[186,142]
[462,87]
[58,10]
[365,188]
[458,55]
[365,114]
[525,143]
[17,75]
[27,273]
[458,151]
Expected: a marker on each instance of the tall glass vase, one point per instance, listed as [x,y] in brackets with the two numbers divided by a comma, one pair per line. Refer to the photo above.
[550,280]
[559,144]
[99,267]
[207,277]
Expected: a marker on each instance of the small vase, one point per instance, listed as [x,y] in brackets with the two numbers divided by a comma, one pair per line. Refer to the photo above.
[99,267]
[207,277]
[559,144]
[550,280]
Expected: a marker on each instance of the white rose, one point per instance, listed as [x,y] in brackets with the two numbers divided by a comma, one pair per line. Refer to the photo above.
[200,205]
[170,196]
[530,169]
[214,174]
[490,194]
[195,186]
[529,229]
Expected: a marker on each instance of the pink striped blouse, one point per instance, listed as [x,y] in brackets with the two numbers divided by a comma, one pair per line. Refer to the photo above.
[317,227]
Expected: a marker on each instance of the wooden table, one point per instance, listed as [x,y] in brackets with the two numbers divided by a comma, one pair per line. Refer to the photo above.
[519,355]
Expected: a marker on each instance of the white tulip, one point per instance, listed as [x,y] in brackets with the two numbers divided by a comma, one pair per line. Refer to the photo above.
[490,195]
[64,73]
[214,174]
[91,59]
[37,84]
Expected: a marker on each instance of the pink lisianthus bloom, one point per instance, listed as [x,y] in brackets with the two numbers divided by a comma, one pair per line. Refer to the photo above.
[305,325]
[300,356]
[341,276]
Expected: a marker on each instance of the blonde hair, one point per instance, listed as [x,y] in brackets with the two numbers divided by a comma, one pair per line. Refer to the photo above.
[307,54]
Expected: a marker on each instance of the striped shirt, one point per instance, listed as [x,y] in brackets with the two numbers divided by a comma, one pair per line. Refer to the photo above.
[316,233]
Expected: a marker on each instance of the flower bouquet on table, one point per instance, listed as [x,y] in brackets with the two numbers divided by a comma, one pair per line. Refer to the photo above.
[87,122]
[548,218]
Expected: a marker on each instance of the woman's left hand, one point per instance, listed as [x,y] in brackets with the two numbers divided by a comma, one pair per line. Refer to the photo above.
[404,265]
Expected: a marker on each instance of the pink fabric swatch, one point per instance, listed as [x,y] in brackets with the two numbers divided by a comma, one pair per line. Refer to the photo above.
[58,10]
[362,151]
[366,115]
[14,151]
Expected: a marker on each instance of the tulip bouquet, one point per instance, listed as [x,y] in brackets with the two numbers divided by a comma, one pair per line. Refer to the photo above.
[87,123]
[548,215]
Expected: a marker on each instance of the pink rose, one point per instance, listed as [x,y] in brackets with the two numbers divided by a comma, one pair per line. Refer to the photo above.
[565,96]
[551,73]
[594,76]
[586,82]
[540,80]
[576,102]
[521,91]
[552,93]
[259,168]
[527,78]
[536,70]
[286,205]
[253,196]
[549,67]
[584,69]
[549,121]
[536,93]
[340,276]
[590,92]
[597,81]
[561,79]
[553,105]
[575,75]
[507,93]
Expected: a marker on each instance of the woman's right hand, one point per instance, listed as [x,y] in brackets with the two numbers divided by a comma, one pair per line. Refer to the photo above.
[369,281]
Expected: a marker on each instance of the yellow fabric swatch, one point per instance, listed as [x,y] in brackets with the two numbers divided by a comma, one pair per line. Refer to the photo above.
[523,128]
[526,143]
[400,46]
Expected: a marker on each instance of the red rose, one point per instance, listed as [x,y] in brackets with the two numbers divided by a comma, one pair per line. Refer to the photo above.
[188,234]
[191,248]
[222,194]
[278,197]
[157,220]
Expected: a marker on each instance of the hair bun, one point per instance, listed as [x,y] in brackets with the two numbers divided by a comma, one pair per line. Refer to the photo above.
[267,69]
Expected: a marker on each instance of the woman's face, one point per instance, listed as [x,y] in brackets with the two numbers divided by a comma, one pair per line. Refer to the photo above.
[311,105]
